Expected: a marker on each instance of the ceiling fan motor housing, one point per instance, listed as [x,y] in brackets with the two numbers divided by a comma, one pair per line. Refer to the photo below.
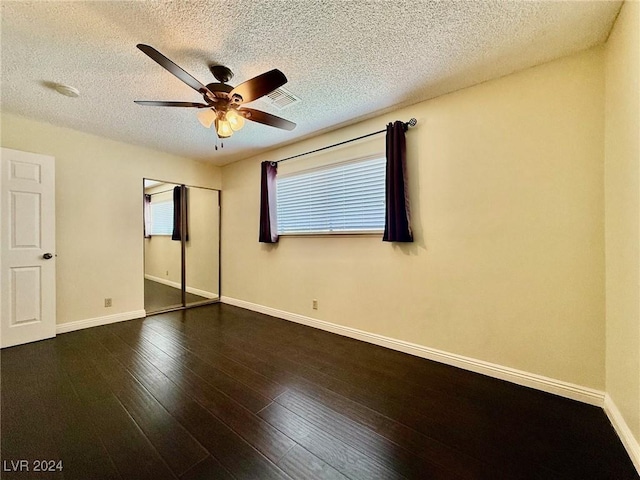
[222,91]
[220,87]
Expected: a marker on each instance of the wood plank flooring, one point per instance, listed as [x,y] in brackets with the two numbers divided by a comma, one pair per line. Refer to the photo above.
[219,392]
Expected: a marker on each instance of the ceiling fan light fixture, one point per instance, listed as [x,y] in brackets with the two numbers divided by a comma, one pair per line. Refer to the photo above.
[223,127]
[236,121]
[206,117]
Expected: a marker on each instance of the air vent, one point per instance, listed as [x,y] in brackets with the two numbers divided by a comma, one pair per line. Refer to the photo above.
[281,98]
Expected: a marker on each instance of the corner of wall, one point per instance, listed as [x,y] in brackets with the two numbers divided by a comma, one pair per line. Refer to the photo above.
[622,226]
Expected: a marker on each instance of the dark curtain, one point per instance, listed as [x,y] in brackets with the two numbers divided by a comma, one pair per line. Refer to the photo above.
[177,214]
[147,216]
[268,212]
[397,225]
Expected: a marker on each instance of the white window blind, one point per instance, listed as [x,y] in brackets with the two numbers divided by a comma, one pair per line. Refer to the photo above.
[341,198]
[162,218]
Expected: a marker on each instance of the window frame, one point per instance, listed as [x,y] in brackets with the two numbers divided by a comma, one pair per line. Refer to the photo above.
[333,233]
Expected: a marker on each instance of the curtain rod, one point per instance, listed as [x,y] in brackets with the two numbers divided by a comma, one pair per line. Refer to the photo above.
[411,123]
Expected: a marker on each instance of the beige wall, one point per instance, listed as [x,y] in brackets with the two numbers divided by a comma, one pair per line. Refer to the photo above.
[507,199]
[622,187]
[99,212]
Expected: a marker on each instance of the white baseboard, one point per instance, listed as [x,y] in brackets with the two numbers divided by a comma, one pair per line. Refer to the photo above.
[624,432]
[539,382]
[163,281]
[195,291]
[202,293]
[95,322]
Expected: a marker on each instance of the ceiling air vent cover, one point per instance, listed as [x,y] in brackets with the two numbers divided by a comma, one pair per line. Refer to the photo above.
[281,98]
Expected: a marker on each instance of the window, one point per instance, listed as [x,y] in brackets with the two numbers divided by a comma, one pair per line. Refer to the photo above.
[341,198]
[162,218]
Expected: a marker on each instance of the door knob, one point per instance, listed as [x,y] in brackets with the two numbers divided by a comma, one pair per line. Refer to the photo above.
[47,256]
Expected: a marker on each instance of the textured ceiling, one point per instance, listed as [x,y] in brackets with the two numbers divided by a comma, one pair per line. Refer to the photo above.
[345,60]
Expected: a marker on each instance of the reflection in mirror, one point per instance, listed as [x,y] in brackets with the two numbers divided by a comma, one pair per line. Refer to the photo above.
[164,271]
[162,255]
[202,251]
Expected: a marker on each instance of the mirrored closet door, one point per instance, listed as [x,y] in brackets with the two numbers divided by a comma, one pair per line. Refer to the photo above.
[181,246]
[202,249]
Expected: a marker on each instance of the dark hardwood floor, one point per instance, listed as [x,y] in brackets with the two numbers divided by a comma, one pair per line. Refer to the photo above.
[219,392]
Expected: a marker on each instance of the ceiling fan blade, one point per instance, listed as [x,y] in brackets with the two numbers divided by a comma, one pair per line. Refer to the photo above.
[266,118]
[154,103]
[259,86]
[174,69]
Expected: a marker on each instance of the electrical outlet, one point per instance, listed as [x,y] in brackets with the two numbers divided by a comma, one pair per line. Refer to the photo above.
[315,304]
[107,302]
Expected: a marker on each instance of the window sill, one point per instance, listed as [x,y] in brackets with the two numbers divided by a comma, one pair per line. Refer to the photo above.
[355,233]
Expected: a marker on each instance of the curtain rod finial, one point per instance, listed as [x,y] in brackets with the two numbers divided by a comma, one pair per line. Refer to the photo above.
[413,122]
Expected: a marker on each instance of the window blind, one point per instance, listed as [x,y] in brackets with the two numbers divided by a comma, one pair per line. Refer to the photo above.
[162,218]
[347,197]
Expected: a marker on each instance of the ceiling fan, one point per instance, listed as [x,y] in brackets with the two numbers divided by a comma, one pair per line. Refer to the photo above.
[223,102]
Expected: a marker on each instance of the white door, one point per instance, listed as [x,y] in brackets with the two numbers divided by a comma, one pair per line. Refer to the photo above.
[27,255]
